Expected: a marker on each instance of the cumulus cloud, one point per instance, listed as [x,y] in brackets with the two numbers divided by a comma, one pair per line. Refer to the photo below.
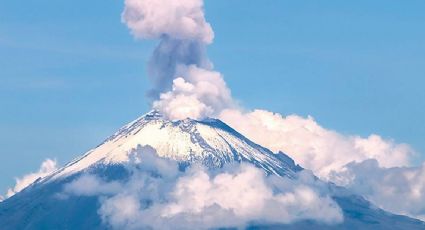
[47,167]
[398,189]
[196,198]
[246,195]
[373,167]
[312,146]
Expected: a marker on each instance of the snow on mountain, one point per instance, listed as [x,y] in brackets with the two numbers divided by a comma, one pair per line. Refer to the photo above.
[210,142]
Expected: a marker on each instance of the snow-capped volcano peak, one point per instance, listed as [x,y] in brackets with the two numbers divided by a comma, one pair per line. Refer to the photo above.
[72,194]
[209,141]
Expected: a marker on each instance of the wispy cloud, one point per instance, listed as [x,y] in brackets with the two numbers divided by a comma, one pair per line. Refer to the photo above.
[47,167]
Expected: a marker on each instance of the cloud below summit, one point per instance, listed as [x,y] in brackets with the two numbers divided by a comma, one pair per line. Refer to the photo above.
[158,195]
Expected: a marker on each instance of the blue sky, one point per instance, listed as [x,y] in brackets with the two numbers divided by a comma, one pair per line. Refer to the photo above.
[70,73]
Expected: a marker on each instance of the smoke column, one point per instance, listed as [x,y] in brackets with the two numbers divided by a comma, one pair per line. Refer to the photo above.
[184,84]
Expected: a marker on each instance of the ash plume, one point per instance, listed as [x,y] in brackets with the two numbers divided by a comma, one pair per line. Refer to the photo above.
[183,34]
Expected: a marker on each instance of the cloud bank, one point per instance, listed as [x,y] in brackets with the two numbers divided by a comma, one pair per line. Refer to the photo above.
[312,146]
[378,169]
[159,196]
[47,167]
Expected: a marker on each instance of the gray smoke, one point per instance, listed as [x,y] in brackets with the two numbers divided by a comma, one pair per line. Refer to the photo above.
[169,54]
[182,30]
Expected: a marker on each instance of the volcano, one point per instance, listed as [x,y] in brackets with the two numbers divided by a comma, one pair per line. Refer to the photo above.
[209,142]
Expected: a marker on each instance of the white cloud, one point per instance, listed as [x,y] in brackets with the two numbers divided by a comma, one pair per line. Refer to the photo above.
[177,19]
[196,94]
[246,195]
[312,146]
[400,190]
[159,195]
[373,167]
[90,185]
[182,102]
[47,167]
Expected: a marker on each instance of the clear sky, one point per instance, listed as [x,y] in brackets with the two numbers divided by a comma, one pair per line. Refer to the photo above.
[70,73]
